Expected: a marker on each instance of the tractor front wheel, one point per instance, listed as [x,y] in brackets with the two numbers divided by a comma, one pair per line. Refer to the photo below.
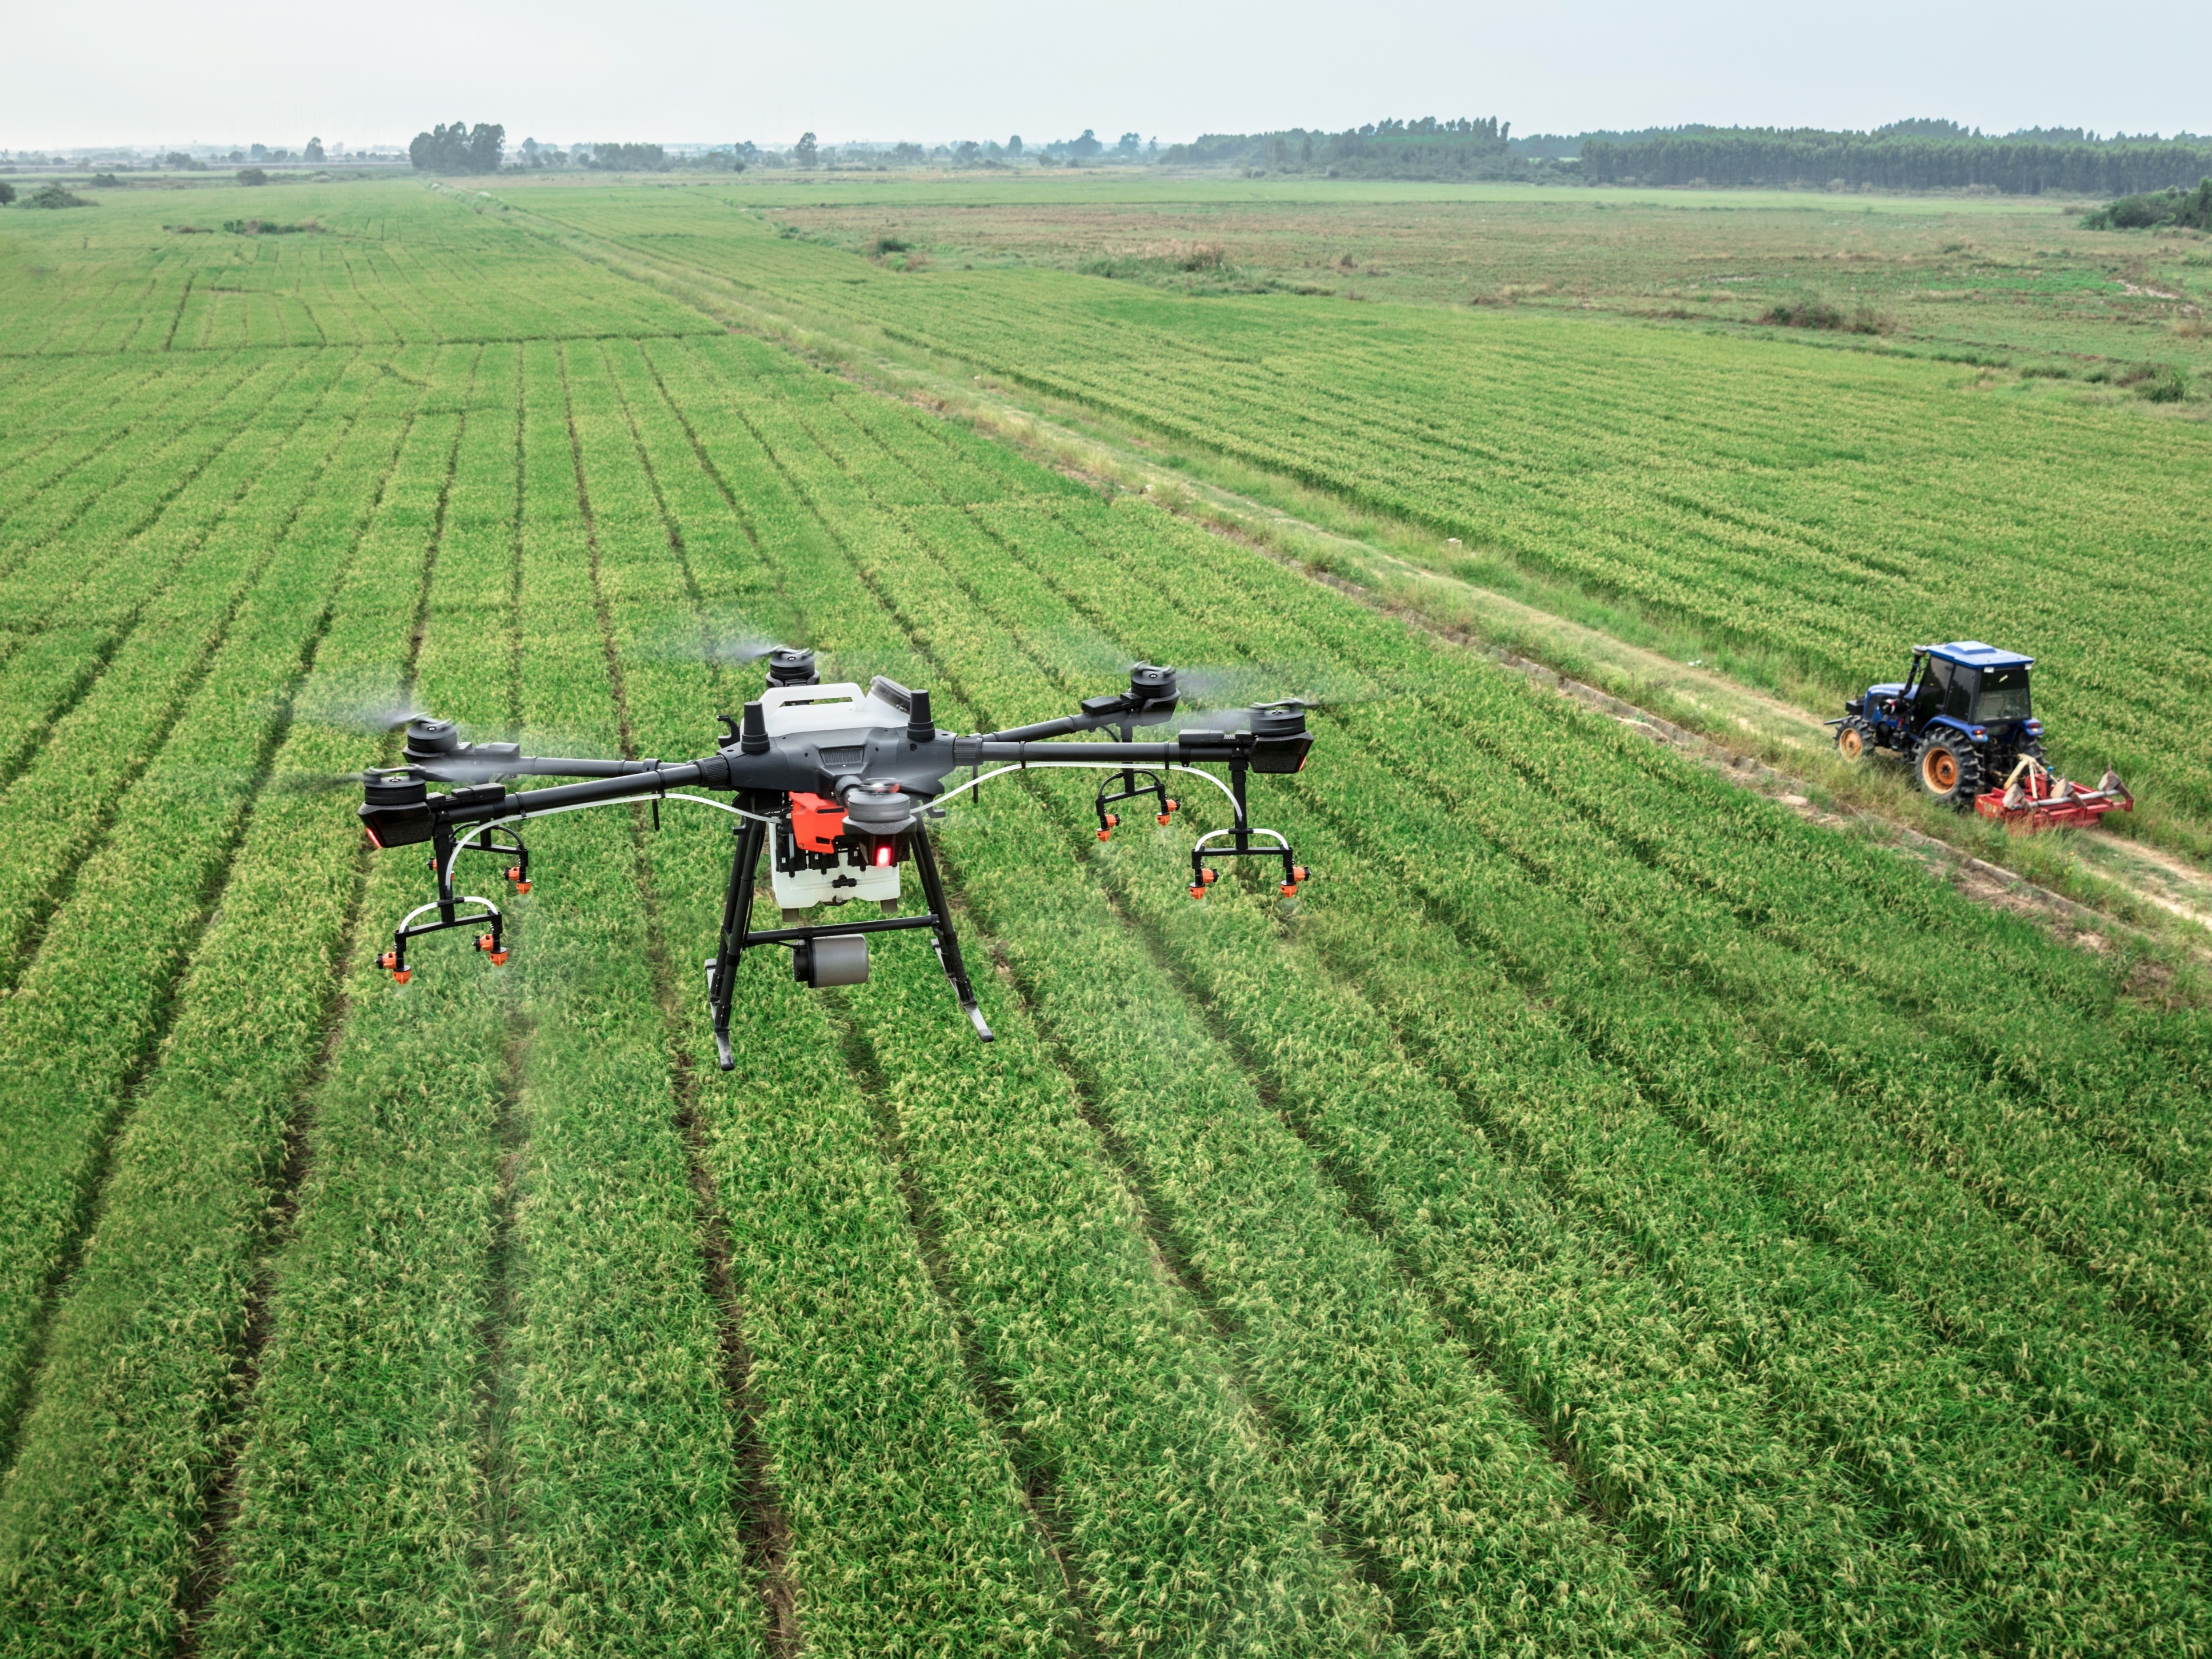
[1856,739]
[1949,768]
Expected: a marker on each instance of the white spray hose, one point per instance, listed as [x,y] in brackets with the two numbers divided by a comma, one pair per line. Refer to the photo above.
[736,811]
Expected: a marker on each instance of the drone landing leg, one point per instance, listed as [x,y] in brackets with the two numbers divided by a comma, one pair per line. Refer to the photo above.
[737,919]
[948,943]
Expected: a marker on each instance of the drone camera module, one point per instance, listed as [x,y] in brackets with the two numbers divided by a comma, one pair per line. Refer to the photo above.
[840,959]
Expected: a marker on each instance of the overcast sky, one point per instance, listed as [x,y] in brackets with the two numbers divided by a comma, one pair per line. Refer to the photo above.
[129,71]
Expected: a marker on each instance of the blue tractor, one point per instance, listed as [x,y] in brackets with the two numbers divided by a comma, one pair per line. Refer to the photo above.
[1960,716]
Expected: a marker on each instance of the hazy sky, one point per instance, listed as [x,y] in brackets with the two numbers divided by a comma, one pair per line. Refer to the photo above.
[126,71]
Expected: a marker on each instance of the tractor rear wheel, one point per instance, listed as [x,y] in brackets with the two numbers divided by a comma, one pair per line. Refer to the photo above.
[1856,739]
[1949,768]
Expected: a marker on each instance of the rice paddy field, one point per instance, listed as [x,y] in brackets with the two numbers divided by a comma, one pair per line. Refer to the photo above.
[1602,1213]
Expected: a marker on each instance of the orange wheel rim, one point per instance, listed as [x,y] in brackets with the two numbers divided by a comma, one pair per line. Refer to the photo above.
[1942,770]
[1849,743]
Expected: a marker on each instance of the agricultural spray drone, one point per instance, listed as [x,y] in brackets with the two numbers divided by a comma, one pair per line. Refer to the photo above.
[834,783]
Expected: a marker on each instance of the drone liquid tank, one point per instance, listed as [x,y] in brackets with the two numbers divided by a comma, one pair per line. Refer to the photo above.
[832,852]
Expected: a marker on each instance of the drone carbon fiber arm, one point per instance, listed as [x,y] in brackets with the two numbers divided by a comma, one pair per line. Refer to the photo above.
[400,810]
[876,756]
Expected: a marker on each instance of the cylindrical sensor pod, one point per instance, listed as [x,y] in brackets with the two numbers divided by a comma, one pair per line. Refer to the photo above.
[841,959]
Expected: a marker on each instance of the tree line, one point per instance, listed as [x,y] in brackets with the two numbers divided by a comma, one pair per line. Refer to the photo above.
[1896,161]
[1392,148]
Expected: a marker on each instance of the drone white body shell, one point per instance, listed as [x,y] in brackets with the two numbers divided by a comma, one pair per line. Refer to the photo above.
[827,713]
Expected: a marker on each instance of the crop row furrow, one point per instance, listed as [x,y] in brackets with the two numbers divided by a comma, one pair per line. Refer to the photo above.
[88,1011]
[364,1420]
[55,812]
[152,1348]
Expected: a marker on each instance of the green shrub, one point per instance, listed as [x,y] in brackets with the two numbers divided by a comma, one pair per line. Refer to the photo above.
[53,196]
[2187,209]
[2165,384]
[1812,311]
[252,176]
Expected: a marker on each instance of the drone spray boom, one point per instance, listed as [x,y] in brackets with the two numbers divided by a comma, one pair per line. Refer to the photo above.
[832,782]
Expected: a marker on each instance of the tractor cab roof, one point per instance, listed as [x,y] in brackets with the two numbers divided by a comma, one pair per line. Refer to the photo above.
[1972,653]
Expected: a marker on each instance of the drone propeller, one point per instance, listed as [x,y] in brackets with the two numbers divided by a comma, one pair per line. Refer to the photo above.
[1221,696]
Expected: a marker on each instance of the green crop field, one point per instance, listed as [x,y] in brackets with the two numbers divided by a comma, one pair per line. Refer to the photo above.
[1603,1212]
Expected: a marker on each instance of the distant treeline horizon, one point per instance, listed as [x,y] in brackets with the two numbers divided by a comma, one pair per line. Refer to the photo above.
[1909,155]
[1923,153]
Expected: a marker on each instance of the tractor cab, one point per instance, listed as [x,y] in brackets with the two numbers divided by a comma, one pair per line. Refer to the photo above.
[1964,683]
[1960,714]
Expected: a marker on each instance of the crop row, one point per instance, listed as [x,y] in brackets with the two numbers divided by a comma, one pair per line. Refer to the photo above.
[58,422]
[232,533]
[2081,1353]
[2145,1406]
[903,1526]
[1094,585]
[73,610]
[2087,1202]
[365,1414]
[119,488]
[148,1353]
[92,1002]
[1439,839]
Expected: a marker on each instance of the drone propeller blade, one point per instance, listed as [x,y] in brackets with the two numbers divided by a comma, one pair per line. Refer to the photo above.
[1220,696]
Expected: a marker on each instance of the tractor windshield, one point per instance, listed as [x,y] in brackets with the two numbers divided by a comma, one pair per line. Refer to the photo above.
[2005,695]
